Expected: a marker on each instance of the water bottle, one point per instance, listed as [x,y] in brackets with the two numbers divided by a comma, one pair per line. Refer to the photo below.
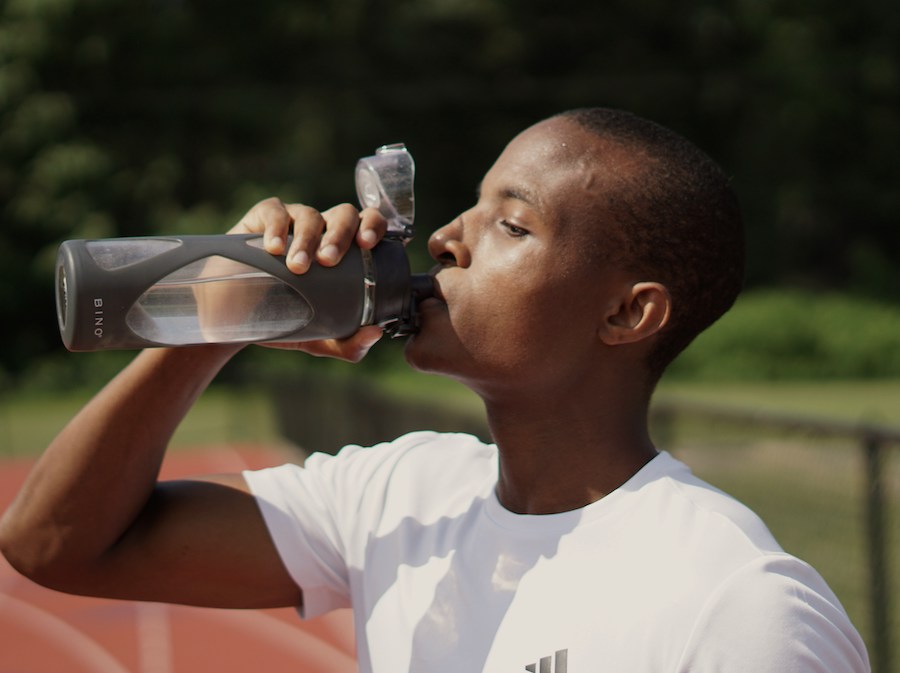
[123,293]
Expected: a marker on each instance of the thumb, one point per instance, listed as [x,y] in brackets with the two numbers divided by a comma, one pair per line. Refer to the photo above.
[362,341]
[350,349]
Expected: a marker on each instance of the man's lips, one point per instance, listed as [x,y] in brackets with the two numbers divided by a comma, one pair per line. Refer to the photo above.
[438,293]
[434,303]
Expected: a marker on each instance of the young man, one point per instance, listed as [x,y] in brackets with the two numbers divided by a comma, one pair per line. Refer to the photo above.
[599,246]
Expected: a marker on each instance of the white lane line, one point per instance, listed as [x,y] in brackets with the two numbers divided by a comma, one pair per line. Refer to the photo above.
[92,655]
[154,638]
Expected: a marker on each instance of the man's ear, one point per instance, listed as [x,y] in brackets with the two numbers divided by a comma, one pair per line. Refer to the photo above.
[641,312]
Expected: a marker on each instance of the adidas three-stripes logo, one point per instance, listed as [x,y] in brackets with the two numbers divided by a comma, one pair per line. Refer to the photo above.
[555,664]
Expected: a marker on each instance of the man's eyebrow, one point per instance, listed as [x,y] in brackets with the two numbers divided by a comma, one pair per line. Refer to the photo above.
[516,193]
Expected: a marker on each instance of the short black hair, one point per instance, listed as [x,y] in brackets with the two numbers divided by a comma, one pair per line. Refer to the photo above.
[678,221]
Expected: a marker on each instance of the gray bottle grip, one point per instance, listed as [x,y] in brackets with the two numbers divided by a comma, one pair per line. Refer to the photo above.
[94,297]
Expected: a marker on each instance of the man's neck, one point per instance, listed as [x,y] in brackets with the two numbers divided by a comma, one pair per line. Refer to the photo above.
[562,454]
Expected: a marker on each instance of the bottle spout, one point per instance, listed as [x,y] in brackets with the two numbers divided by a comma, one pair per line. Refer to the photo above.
[422,286]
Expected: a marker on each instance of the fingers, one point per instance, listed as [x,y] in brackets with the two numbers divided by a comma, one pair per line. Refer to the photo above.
[269,218]
[372,228]
[325,237]
[322,237]
[309,224]
[352,349]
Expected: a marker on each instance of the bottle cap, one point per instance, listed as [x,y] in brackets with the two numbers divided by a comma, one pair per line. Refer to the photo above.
[385,181]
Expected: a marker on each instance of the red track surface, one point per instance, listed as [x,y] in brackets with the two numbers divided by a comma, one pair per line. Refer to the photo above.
[43,631]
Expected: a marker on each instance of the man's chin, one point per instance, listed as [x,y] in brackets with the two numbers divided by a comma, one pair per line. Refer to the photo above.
[413,351]
[422,356]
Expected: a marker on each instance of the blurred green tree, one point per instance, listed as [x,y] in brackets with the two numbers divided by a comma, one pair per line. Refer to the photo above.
[153,116]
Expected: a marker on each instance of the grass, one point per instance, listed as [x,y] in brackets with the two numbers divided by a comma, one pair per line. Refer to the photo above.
[875,401]
[29,422]
[404,383]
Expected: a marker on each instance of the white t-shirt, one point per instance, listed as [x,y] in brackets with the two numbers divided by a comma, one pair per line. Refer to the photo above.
[665,574]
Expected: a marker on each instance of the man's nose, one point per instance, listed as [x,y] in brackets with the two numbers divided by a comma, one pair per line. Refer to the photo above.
[447,247]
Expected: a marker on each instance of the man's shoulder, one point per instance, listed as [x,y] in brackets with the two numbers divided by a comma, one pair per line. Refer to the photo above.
[775,611]
[687,500]
[433,458]
[422,461]
[425,446]
[419,458]
[431,440]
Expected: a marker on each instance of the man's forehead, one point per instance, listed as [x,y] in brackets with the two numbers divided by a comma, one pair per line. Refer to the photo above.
[555,155]
[552,141]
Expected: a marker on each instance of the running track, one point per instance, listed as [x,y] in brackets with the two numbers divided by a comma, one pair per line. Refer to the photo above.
[42,631]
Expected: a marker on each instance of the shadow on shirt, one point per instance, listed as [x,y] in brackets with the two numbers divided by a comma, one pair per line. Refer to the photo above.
[440,591]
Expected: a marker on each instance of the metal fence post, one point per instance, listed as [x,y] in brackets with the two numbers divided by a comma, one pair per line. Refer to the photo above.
[880,649]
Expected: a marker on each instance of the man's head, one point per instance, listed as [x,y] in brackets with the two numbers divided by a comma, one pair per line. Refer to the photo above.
[673,218]
[593,230]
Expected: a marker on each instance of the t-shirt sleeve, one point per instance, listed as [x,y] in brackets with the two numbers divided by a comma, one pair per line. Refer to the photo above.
[318,515]
[306,536]
[775,614]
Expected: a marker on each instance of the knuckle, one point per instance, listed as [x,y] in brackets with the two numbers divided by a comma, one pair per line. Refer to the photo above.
[271,204]
[372,217]
[307,211]
[346,210]
[308,223]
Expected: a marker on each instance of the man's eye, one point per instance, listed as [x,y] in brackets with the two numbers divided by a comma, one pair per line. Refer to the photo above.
[513,230]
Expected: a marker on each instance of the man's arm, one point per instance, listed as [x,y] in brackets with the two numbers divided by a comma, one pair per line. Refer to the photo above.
[91,518]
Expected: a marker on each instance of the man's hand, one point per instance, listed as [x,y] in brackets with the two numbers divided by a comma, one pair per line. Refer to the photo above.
[317,238]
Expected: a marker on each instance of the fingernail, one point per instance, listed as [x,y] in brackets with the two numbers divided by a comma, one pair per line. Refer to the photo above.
[368,236]
[276,243]
[301,259]
[329,252]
